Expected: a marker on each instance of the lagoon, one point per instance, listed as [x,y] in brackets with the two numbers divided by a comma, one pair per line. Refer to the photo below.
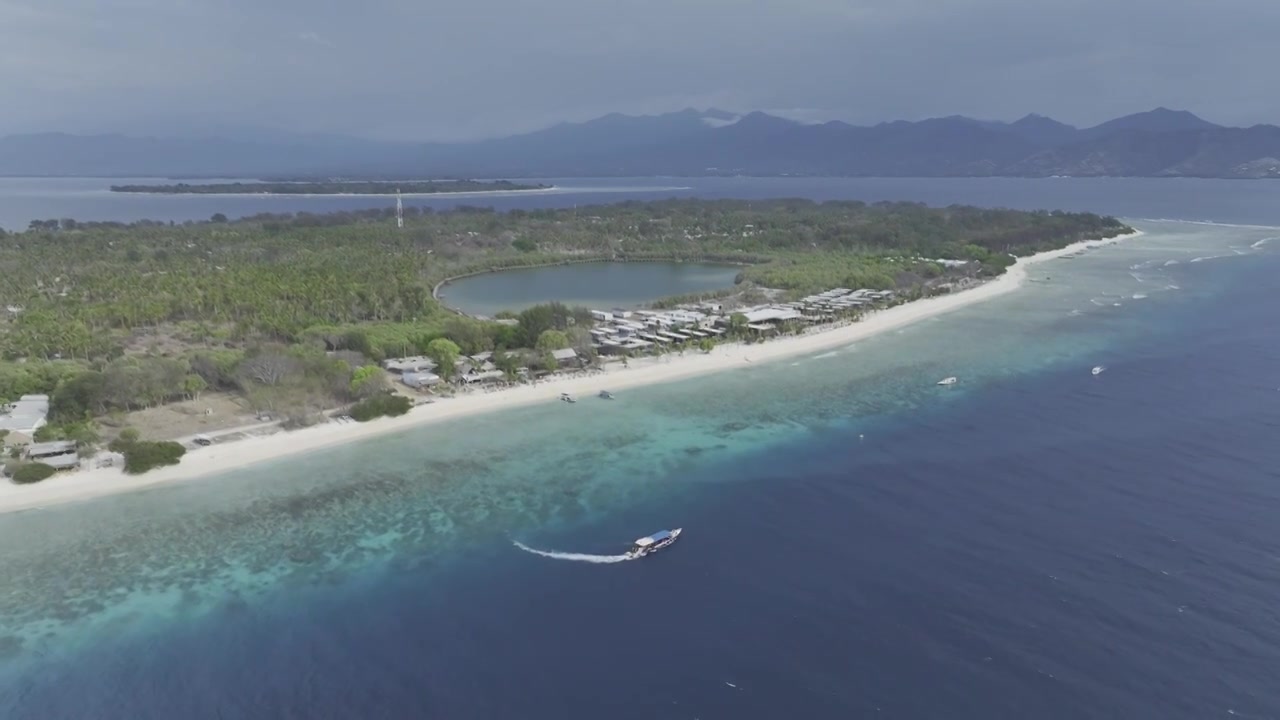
[600,285]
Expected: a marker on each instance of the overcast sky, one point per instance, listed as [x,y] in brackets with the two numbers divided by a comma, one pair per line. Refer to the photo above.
[451,69]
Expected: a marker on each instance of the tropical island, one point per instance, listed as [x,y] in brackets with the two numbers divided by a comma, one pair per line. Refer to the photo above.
[332,187]
[148,339]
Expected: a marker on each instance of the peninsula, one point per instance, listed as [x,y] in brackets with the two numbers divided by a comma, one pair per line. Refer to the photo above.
[205,333]
[332,187]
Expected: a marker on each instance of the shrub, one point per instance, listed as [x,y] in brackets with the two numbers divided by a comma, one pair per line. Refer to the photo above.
[141,456]
[380,405]
[32,473]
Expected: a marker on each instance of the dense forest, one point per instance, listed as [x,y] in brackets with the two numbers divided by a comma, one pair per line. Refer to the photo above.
[329,187]
[111,317]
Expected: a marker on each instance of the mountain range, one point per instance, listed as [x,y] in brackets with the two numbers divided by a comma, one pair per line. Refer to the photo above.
[1157,143]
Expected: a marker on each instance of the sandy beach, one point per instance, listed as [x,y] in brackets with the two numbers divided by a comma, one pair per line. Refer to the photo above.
[228,457]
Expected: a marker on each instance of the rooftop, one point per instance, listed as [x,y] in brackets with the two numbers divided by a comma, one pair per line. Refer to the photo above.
[26,415]
[62,462]
[771,313]
[51,448]
[409,364]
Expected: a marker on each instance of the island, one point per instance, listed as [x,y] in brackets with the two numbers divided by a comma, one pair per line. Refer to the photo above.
[119,336]
[332,187]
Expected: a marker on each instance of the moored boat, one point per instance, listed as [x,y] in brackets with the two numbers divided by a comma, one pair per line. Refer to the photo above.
[566,397]
[949,381]
[653,543]
[606,394]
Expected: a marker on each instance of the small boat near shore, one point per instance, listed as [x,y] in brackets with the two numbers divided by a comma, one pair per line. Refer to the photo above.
[1097,369]
[606,395]
[949,380]
[653,543]
[566,397]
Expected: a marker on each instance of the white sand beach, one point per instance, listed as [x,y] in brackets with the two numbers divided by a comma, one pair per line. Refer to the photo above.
[224,458]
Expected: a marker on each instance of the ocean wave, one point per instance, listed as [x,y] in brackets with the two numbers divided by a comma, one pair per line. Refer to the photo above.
[1139,296]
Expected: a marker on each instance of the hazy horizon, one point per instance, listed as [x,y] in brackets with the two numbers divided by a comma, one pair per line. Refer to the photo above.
[266,133]
[394,70]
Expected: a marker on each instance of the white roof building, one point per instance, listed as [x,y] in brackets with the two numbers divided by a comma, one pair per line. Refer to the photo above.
[564,354]
[417,363]
[771,313]
[419,379]
[26,415]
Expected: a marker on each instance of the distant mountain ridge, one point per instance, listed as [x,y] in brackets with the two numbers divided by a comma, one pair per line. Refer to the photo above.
[1156,143]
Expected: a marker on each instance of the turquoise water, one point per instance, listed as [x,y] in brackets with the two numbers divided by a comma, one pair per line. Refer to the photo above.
[430,508]
[600,286]
[130,562]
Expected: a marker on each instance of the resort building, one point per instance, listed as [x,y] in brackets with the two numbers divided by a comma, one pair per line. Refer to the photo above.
[565,356]
[415,364]
[619,331]
[23,418]
[419,380]
[60,455]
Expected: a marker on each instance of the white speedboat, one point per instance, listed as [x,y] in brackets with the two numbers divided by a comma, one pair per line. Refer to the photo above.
[1097,369]
[949,381]
[653,543]
[566,397]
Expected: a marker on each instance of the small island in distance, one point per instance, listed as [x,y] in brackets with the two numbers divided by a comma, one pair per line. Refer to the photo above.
[331,187]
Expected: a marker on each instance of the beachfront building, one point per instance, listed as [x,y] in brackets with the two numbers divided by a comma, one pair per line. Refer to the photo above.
[419,380]
[565,357]
[414,364]
[60,455]
[618,331]
[23,418]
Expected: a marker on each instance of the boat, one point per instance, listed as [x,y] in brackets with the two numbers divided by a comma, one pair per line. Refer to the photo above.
[1097,369]
[949,381]
[653,543]
[566,397]
[606,394]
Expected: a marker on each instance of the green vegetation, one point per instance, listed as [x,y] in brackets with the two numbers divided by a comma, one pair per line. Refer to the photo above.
[445,353]
[32,473]
[328,187]
[143,455]
[293,312]
[384,404]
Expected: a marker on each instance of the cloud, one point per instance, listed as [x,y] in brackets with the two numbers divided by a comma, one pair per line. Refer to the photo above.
[454,68]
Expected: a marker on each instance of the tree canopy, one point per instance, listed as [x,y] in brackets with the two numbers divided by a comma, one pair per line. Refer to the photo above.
[292,310]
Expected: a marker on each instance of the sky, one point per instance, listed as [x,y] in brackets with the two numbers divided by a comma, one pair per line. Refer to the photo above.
[467,69]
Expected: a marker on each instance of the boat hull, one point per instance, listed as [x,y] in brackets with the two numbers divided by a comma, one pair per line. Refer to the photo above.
[651,549]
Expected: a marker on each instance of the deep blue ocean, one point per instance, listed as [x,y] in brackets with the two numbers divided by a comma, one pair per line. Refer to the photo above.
[1040,542]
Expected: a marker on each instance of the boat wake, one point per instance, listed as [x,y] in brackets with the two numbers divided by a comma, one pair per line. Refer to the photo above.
[575,557]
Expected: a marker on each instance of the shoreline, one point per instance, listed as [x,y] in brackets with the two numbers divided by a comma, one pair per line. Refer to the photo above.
[220,459]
